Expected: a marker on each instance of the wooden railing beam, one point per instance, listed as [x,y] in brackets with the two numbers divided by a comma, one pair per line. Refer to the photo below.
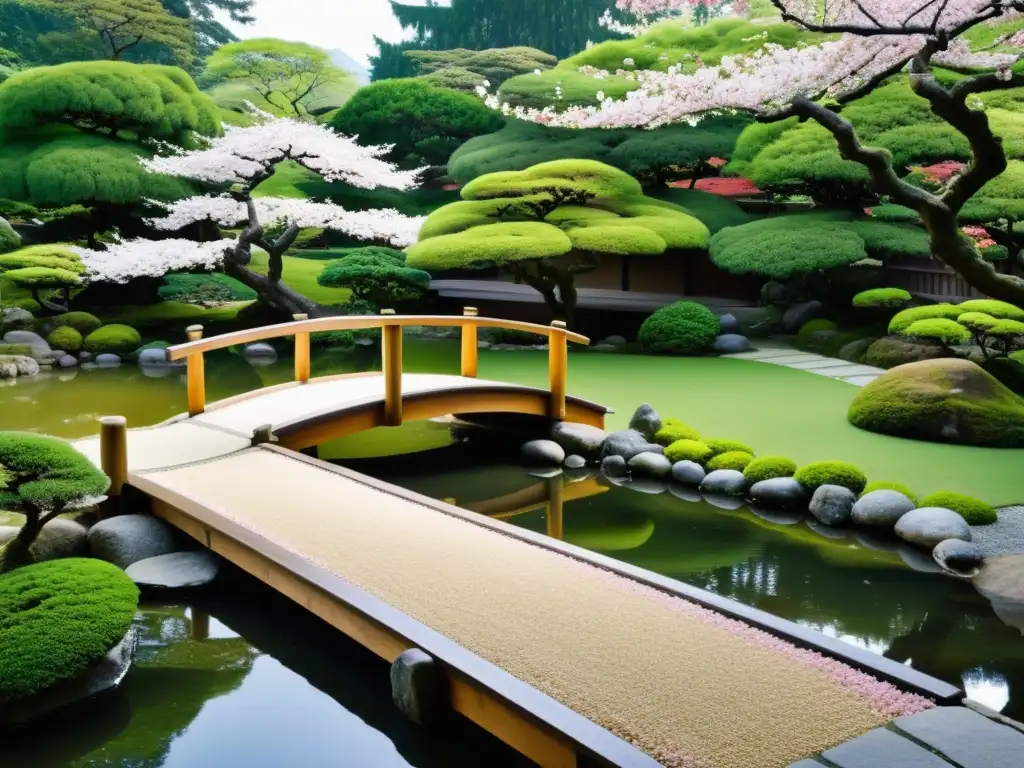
[196,373]
[469,345]
[391,363]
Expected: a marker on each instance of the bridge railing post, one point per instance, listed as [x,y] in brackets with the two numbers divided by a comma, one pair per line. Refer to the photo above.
[301,352]
[114,452]
[557,363]
[391,362]
[196,374]
[469,344]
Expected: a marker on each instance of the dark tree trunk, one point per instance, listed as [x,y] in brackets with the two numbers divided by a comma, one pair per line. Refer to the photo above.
[50,306]
[16,553]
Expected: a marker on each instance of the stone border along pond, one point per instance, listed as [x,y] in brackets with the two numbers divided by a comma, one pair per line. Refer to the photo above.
[958,531]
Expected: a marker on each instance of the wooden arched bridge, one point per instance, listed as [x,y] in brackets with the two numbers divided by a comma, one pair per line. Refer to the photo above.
[570,657]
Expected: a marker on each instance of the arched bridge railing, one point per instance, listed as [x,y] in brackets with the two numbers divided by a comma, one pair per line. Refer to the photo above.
[391,350]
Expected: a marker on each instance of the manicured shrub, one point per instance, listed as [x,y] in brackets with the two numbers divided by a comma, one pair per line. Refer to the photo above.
[30,305]
[58,618]
[512,336]
[976,321]
[688,450]
[9,239]
[882,297]
[767,467]
[66,338]
[718,446]
[884,485]
[375,274]
[82,322]
[673,430]
[783,246]
[683,328]
[948,332]
[198,288]
[117,339]
[325,339]
[974,511]
[906,318]
[820,473]
[811,327]
[992,307]
[730,460]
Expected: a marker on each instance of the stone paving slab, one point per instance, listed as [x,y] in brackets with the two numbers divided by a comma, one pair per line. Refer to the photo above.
[819,362]
[762,354]
[850,369]
[882,748]
[796,357]
[861,381]
[967,738]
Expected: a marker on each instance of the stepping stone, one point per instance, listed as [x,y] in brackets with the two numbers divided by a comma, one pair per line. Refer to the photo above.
[860,381]
[851,369]
[965,737]
[822,362]
[794,358]
[882,749]
[178,570]
[761,354]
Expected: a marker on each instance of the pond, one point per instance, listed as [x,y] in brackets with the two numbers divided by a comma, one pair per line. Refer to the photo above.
[273,685]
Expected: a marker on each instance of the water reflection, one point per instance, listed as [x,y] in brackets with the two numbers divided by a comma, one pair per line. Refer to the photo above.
[869,589]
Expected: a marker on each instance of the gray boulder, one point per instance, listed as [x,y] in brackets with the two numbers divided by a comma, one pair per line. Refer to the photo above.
[153,356]
[688,472]
[542,452]
[126,539]
[728,323]
[627,444]
[59,538]
[890,351]
[882,508]
[779,493]
[650,465]
[856,351]
[575,461]
[616,341]
[729,343]
[108,360]
[8,370]
[177,570]
[25,366]
[84,356]
[797,315]
[758,322]
[958,555]
[67,361]
[832,504]
[646,421]
[725,481]
[774,292]
[613,466]
[40,348]
[16,318]
[260,353]
[581,439]
[927,526]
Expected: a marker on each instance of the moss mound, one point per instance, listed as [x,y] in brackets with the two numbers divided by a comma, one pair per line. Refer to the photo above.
[688,450]
[683,328]
[56,619]
[974,511]
[116,339]
[767,467]
[719,446]
[730,460]
[673,430]
[66,338]
[885,485]
[949,400]
[819,473]
[83,322]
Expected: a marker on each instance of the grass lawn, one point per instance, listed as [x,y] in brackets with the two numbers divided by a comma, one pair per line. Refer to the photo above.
[171,312]
[301,275]
[776,410]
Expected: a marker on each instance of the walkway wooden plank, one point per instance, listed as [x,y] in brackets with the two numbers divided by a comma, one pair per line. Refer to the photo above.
[167,445]
[686,685]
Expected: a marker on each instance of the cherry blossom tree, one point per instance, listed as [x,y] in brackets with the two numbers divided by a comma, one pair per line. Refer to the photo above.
[243,158]
[877,39]
[647,12]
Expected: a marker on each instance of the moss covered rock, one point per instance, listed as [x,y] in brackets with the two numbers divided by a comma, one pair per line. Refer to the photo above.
[59,618]
[974,511]
[890,351]
[950,400]
[66,338]
[116,339]
[819,473]
[768,467]
[83,322]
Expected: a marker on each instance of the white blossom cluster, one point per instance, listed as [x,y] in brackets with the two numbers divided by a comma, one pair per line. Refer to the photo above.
[125,260]
[378,224]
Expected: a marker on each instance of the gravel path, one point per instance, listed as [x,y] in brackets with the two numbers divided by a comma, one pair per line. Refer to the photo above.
[690,687]
[1004,537]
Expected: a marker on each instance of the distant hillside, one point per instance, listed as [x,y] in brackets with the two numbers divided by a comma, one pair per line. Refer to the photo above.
[344,61]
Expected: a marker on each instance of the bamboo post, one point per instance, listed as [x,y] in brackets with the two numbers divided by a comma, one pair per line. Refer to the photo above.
[554,507]
[557,364]
[301,352]
[198,624]
[469,344]
[114,452]
[196,374]
[391,362]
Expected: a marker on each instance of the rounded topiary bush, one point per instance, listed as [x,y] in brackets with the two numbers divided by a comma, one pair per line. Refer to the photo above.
[768,467]
[83,322]
[673,430]
[730,460]
[811,327]
[940,329]
[884,485]
[66,338]
[974,511]
[688,450]
[903,320]
[1001,309]
[819,473]
[116,339]
[882,297]
[947,400]
[29,305]
[718,446]
[58,618]
[683,328]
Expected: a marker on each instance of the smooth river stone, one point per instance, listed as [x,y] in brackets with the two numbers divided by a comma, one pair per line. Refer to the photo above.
[177,570]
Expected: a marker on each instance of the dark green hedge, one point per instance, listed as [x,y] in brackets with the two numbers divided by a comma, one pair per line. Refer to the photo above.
[683,328]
